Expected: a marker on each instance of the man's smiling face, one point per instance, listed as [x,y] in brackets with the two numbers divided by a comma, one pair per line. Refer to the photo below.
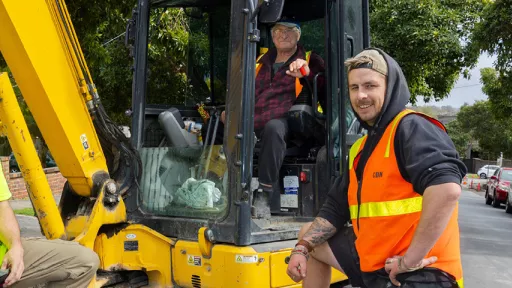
[367,90]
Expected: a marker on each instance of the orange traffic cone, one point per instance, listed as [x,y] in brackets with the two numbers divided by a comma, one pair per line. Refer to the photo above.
[478,187]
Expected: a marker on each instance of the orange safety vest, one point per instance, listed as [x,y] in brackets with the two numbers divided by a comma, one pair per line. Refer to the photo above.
[298,86]
[390,209]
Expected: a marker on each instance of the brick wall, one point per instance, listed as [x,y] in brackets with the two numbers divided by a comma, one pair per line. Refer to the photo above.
[17,183]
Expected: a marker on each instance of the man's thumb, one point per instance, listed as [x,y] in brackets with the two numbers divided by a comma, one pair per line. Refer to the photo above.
[303,268]
[430,261]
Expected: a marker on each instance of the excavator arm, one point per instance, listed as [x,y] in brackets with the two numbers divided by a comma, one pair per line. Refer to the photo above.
[39,44]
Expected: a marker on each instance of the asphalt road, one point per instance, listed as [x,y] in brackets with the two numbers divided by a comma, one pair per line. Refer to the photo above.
[486,241]
[29,226]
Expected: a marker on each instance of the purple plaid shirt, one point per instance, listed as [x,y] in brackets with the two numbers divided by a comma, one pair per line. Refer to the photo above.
[275,93]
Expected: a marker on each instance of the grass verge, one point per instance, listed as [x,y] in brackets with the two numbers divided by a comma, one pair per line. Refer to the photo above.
[25,211]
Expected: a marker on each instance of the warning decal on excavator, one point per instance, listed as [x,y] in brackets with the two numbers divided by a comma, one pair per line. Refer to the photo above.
[194,260]
[85,143]
[291,185]
[246,259]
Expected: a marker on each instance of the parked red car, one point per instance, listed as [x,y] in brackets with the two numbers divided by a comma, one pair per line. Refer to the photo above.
[498,188]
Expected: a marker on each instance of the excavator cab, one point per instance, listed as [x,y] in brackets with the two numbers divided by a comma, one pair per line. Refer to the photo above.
[190,182]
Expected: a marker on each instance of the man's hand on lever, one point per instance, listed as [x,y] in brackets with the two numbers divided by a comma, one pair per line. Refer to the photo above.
[295,68]
[319,231]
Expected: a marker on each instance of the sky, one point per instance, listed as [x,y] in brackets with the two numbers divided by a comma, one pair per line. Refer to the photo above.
[466,90]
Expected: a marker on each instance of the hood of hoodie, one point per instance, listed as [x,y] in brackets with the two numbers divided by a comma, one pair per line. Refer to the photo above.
[397,95]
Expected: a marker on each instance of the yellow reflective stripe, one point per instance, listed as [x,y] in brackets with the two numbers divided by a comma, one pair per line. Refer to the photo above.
[258,65]
[387,208]
[354,150]
[395,122]
[319,108]
[461,282]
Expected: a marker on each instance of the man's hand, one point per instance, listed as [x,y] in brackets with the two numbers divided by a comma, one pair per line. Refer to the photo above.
[13,260]
[297,267]
[294,69]
[396,265]
[319,231]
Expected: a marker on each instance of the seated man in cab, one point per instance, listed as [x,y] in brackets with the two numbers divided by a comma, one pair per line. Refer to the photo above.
[278,83]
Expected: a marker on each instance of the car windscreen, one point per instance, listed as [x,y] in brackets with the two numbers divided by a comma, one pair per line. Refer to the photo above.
[506,175]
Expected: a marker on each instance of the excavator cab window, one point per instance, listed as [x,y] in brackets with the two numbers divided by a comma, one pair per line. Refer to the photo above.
[181,176]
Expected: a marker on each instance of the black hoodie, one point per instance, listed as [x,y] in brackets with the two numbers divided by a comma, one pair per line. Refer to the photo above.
[426,155]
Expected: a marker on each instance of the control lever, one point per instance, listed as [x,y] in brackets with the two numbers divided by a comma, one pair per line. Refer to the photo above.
[303,71]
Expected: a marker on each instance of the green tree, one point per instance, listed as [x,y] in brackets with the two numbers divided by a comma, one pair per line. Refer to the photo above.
[493,34]
[426,38]
[459,136]
[493,136]
[498,87]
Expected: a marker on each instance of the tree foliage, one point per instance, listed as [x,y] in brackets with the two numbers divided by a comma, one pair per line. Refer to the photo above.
[479,121]
[493,34]
[459,136]
[498,87]
[426,38]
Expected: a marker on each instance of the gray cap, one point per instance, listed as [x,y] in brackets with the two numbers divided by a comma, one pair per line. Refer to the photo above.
[371,59]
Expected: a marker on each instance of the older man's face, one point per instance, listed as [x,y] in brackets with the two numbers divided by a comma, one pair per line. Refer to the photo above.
[285,37]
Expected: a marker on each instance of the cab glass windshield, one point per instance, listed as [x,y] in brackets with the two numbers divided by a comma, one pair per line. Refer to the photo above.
[187,69]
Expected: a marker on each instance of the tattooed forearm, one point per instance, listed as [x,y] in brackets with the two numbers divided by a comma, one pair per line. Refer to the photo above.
[319,232]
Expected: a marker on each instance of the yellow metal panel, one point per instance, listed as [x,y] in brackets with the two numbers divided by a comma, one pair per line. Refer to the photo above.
[205,246]
[278,266]
[21,143]
[44,70]
[137,247]
[222,270]
[231,266]
[99,216]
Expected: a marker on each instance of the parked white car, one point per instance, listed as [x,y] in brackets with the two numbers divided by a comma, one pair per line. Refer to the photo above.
[487,170]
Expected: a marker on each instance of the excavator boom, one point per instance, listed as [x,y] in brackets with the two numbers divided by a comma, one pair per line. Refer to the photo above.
[41,49]
[38,44]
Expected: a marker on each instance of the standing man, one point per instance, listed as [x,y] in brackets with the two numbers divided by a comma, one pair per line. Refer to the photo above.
[35,261]
[400,192]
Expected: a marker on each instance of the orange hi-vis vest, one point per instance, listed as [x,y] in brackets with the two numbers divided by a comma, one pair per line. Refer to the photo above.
[389,211]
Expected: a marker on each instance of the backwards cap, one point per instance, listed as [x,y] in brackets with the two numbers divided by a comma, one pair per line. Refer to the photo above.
[370,59]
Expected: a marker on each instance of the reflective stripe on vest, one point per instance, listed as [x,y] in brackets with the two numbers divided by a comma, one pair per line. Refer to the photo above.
[389,210]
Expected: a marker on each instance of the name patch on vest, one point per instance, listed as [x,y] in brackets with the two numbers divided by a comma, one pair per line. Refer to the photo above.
[377,174]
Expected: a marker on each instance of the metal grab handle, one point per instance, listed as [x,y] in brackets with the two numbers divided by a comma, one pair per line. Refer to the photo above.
[315,97]
[350,39]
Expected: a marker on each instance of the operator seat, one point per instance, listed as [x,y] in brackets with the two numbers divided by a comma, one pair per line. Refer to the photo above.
[174,129]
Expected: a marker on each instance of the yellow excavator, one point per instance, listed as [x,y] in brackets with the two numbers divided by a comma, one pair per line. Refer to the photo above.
[163,207]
